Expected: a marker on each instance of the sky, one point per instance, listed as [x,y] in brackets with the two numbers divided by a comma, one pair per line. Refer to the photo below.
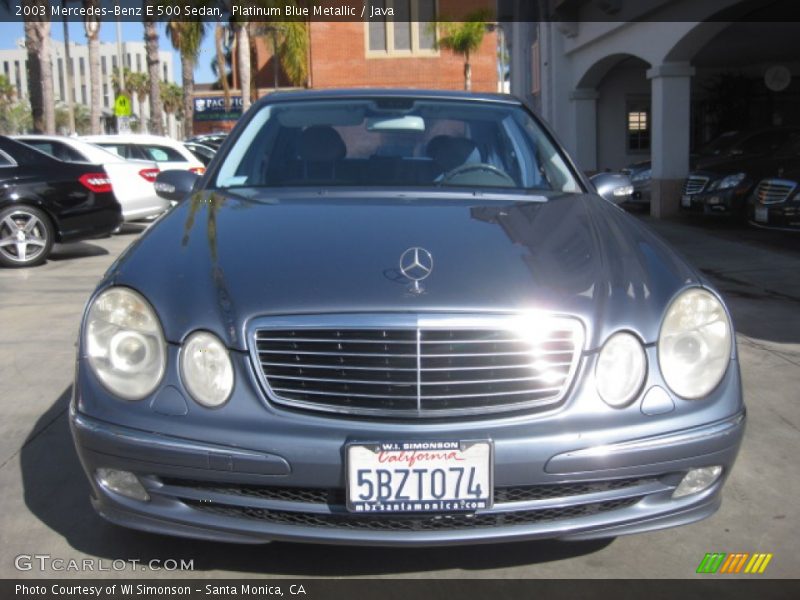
[10,32]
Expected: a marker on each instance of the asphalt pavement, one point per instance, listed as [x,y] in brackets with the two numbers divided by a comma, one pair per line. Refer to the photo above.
[44,494]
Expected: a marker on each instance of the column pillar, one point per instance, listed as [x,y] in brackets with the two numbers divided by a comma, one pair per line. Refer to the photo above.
[584,113]
[669,135]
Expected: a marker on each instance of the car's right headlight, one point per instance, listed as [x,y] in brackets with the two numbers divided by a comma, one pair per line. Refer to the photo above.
[694,345]
[206,369]
[124,343]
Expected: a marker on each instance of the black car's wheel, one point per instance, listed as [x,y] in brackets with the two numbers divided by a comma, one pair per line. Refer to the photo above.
[26,236]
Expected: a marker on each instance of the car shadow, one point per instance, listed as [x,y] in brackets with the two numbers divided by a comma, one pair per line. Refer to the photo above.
[57,493]
[76,250]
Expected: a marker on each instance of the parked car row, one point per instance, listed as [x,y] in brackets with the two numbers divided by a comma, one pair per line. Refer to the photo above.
[751,176]
[60,189]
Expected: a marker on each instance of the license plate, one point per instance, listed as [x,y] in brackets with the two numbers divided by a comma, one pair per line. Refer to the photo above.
[686,201]
[762,214]
[398,477]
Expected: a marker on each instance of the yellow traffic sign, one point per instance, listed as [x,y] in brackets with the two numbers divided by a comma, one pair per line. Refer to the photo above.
[122,106]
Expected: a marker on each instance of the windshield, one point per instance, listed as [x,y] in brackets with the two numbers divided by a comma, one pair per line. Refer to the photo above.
[395,142]
[720,144]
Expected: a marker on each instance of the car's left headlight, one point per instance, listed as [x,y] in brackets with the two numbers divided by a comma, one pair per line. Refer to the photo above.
[206,369]
[124,343]
[694,345]
[729,181]
[620,370]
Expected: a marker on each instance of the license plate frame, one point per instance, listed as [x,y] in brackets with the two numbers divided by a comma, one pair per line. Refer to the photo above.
[761,214]
[414,456]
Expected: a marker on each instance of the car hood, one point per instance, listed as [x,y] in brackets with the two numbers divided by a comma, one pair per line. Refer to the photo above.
[215,262]
[755,167]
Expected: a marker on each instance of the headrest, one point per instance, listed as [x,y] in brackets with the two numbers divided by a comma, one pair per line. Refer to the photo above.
[321,143]
[449,152]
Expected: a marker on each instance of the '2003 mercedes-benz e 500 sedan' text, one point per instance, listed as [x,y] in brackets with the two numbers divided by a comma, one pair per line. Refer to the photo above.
[396,317]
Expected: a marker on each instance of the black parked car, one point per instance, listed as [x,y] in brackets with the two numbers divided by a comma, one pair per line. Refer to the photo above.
[775,201]
[731,145]
[721,184]
[44,200]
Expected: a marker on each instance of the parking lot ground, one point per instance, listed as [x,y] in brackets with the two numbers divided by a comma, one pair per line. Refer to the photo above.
[44,495]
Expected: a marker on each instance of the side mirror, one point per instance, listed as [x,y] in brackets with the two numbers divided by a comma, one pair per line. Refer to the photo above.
[614,187]
[175,184]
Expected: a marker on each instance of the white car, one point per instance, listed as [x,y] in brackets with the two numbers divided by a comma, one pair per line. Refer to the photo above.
[168,153]
[132,181]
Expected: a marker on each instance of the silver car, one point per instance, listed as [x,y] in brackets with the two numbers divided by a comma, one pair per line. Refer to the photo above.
[402,318]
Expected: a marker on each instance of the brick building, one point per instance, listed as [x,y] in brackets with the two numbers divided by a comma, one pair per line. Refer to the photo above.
[399,52]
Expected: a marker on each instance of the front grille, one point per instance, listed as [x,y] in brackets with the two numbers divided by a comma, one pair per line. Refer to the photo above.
[415,522]
[774,191]
[435,367]
[694,184]
[335,497]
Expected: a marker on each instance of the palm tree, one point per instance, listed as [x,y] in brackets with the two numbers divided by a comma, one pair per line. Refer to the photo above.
[242,31]
[92,27]
[186,37]
[289,48]
[139,85]
[172,99]
[156,124]
[464,38]
[223,60]
[40,69]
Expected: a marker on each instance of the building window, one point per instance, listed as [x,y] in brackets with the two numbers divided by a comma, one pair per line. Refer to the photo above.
[106,100]
[83,94]
[103,68]
[138,62]
[165,72]
[409,32]
[61,95]
[114,64]
[128,60]
[638,126]
[17,79]
[82,67]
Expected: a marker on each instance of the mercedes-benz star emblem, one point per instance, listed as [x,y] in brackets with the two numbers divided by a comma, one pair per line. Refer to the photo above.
[416,264]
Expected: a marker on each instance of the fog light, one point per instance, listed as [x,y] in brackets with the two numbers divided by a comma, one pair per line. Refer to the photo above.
[123,483]
[697,480]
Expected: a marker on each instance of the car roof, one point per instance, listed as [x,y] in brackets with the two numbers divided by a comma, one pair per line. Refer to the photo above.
[388,93]
[130,138]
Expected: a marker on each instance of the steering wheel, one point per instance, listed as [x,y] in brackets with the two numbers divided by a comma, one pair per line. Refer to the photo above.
[469,168]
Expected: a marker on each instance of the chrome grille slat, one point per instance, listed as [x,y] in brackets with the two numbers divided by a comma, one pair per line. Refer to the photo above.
[429,366]
[695,184]
[775,191]
[354,395]
[341,367]
[313,353]
[406,383]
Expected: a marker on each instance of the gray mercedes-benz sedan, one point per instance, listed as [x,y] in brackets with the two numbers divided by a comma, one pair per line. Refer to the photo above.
[402,318]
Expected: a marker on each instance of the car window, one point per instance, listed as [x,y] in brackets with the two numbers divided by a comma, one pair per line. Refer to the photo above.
[762,143]
[118,149]
[792,145]
[162,153]
[6,161]
[395,142]
[57,149]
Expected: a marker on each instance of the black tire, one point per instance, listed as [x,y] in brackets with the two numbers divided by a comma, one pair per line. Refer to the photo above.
[23,227]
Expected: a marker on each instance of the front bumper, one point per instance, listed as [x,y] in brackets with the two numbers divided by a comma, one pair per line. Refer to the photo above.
[728,202]
[291,489]
[784,216]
